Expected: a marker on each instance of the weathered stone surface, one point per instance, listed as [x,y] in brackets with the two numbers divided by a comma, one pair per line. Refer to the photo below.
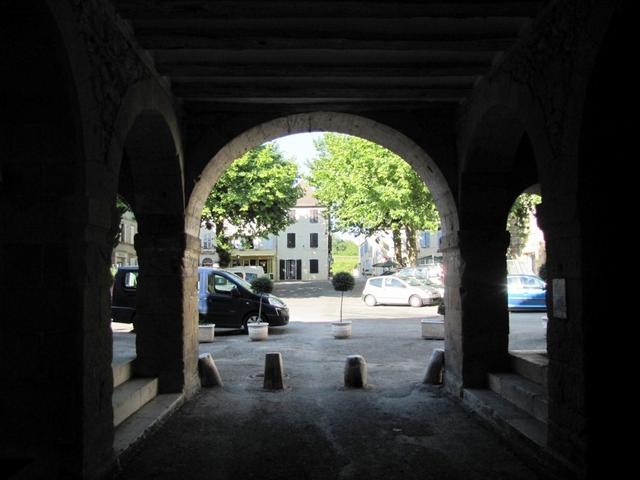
[355,372]
[435,368]
[273,371]
[209,375]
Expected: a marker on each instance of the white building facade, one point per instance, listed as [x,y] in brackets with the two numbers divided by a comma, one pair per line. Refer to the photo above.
[302,249]
[124,254]
[379,248]
[300,252]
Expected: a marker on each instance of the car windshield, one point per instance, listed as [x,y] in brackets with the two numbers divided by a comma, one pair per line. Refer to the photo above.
[422,282]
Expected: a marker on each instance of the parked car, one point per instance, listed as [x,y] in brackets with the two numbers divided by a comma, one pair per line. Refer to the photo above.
[526,292]
[223,299]
[247,273]
[432,272]
[391,290]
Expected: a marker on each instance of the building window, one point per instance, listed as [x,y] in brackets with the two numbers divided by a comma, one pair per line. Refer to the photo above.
[207,262]
[313,216]
[291,240]
[313,266]
[313,240]
[425,240]
[206,242]
[292,215]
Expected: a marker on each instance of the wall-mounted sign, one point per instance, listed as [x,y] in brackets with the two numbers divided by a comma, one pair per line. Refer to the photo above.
[559,298]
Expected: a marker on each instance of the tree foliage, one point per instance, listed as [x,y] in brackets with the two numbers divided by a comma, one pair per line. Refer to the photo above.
[369,189]
[518,222]
[344,247]
[254,196]
[119,210]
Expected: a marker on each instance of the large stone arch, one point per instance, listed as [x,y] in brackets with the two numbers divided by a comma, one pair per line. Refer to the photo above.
[326,121]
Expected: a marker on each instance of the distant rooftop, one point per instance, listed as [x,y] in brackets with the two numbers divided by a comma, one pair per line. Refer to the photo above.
[308,199]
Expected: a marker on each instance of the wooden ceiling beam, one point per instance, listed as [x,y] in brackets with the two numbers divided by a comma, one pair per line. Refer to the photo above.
[150,9]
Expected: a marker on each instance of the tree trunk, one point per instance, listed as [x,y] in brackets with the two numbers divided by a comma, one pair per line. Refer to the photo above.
[412,244]
[397,244]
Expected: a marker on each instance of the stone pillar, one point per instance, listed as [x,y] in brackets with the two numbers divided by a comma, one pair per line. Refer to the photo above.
[567,331]
[477,334]
[167,310]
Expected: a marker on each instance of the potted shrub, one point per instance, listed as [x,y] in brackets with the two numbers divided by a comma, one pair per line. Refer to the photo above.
[342,282]
[259,330]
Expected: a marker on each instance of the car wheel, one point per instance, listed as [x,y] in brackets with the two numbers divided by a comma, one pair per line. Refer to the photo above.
[415,301]
[252,317]
[370,300]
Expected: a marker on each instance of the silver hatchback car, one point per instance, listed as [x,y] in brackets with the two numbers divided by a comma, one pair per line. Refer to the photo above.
[391,290]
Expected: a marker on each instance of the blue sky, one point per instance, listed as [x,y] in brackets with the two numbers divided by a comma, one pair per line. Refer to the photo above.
[299,147]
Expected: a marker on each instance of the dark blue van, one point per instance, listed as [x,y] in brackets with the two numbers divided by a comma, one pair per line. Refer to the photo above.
[223,299]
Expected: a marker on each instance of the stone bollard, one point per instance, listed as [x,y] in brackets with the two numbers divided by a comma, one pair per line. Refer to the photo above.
[435,368]
[355,372]
[273,372]
[209,375]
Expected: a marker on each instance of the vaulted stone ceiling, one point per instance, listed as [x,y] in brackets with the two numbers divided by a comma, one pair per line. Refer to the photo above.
[252,55]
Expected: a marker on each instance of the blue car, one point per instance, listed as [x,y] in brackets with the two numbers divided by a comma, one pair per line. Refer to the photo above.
[526,292]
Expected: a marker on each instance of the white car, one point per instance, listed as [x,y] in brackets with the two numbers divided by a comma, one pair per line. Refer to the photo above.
[390,290]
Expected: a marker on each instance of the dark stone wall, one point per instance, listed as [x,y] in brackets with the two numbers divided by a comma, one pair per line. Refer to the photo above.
[543,81]
[71,66]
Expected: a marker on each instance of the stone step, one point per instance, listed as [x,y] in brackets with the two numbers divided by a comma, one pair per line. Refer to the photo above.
[144,421]
[131,396]
[511,421]
[531,364]
[122,372]
[523,393]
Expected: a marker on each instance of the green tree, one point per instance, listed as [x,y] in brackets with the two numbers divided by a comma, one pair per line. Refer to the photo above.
[368,189]
[518,222]
[344,247]
[119,210]
[254,195]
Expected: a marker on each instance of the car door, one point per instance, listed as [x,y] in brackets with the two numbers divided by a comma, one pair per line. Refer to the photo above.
[534,292]
[223,301]
[395,291]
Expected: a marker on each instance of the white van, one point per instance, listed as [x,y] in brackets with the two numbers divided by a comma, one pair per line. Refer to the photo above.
[247,273]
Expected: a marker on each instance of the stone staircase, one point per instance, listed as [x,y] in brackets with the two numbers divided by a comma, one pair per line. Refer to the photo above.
[137,406]
[516,402]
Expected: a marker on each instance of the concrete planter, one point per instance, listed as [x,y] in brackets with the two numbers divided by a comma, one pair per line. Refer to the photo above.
[432,329]
[341,329]
[206,332]
[258,330]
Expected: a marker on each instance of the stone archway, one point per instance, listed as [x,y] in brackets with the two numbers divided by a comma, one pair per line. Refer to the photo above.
[146,156]
[355,125]
[498,164]
[362,127]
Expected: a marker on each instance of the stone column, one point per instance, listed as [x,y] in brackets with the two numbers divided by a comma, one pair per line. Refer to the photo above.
[167,316]
[477,320]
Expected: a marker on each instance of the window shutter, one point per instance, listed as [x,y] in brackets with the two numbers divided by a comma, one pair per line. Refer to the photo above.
[298,269]
[313,266]
[283,274]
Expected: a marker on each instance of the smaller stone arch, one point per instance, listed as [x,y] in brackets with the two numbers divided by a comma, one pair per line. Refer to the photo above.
[147,119]
[145,159]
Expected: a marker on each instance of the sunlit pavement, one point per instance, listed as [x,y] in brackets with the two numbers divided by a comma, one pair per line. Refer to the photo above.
[396,428]
[317,302]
